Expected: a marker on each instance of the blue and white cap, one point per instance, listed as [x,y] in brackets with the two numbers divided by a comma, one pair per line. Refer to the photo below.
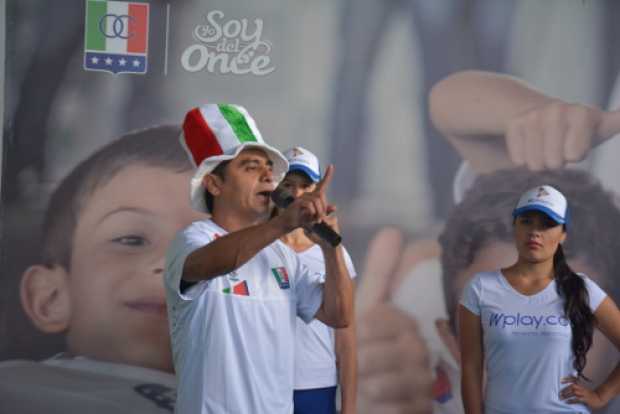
[300,159]
[545,199]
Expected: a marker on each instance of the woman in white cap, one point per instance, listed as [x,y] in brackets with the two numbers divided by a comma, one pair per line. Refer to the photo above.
[529,326]
[324,357]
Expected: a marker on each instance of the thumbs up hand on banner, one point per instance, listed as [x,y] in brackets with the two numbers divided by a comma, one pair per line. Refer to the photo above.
[394,373]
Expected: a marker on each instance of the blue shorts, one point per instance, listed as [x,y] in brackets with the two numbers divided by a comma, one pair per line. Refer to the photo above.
[315,401]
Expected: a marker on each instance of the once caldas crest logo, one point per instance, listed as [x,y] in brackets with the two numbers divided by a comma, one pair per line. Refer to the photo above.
[116,36]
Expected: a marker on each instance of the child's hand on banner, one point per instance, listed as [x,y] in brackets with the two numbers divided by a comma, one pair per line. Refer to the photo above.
[557,133]
[394,374]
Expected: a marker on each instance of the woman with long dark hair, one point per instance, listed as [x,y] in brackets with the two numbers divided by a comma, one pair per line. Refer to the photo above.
[529,327]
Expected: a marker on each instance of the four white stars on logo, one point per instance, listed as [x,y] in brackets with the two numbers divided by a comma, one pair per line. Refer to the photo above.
[122,61]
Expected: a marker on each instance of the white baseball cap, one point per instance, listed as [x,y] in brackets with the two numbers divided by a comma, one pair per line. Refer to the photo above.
[300,159]
[219,132]
[545,199]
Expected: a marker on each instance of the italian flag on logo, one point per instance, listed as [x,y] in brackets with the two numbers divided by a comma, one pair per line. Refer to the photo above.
[281,277]
[116,36]
[238,289]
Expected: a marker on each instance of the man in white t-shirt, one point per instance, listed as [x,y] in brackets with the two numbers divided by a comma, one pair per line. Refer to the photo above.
[233,289]
[324,357]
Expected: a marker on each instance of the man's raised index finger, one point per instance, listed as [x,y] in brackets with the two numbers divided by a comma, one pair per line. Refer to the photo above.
[327,178]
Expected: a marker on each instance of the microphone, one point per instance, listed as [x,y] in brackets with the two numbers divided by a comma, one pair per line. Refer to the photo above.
[282,199]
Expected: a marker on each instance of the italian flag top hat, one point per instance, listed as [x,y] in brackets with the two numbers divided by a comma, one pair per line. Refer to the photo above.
[218,132]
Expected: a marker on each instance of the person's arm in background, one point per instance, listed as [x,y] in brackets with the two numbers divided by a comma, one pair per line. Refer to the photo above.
[346,360]
[470,343]
[336,309]
[496,121]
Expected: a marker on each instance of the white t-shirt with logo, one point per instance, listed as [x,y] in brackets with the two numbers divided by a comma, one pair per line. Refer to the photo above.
[233,336]
[315,357]
[527,344]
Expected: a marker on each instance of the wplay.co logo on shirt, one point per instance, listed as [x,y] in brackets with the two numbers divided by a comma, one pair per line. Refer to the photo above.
[503,320]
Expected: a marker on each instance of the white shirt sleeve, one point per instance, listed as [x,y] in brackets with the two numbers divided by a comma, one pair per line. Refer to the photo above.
[472,294]
[308,289]
[597,295]
[349,263]
[185,242]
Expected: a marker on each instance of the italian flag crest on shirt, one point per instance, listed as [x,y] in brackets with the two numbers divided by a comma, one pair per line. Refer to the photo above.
[238,289]
[281,277]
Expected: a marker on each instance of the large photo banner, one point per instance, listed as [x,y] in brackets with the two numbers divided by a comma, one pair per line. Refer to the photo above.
[436,114]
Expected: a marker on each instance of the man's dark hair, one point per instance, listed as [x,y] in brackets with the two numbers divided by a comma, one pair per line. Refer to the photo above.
[155,147]
[220,171]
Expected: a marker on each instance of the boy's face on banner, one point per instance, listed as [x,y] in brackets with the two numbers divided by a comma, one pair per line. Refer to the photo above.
[118,307]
